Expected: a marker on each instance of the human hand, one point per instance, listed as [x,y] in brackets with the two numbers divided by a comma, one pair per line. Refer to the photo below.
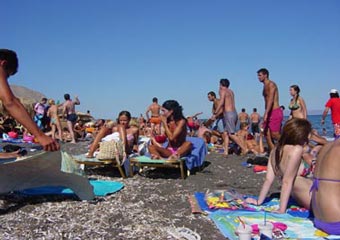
[322,121]
[252,201]
[48,143]
[278,211]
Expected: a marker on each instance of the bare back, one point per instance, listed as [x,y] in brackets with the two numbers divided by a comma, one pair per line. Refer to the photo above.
[227,98]
[255,117]
[326,205]
[69,107]
[155,109]
[53,112]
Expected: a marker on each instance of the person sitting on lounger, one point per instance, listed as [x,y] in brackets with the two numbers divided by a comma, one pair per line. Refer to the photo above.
[128,135]
[285,162]
[175,127]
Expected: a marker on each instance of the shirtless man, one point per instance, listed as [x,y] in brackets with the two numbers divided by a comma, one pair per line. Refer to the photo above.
[227,107]
[243,117]
[215,123]
[155,110]
[273,115]
[255,121]
[70,112]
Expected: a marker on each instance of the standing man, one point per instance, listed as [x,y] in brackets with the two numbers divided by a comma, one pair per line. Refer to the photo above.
[273,115]
[69,110]
[155,110]
[216,124]
[334,104]
[243,117]
[8,67]
[226,107]
[255,122]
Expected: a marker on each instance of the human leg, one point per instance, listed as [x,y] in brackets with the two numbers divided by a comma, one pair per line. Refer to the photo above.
[158,152]
[70,129]
[102,133]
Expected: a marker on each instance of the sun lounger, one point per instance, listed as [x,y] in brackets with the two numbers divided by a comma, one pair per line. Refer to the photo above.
[194,159]
[83,160]
[41,169]
[142,161]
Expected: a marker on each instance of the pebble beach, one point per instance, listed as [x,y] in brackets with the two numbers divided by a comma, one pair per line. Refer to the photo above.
[150,203]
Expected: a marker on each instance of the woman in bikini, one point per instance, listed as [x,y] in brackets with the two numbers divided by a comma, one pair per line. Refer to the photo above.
[123,132]
[285,162]
[175,127]
[297,105]
[326,189]
[52,113]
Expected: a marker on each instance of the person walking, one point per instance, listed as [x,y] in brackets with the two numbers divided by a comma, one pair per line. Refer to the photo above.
[334,104]
[227,107]
[273,115]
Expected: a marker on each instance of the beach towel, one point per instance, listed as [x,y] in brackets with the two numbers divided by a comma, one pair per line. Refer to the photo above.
[198,152]
[227,222]
[100,187]
[269,204]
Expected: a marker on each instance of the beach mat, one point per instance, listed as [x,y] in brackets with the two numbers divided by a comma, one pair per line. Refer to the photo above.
[100,187]
[269,205]
[297,228]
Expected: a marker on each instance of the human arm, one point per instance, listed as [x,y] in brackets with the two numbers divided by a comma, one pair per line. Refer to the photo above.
[289,174]
[180,125]
[147,114]
[76,100]
[220,105]
[270,176]
[269,100]
[324,115]
[17,110]
[303,107]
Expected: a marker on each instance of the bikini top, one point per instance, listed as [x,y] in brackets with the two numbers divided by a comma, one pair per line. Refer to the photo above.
[294,106]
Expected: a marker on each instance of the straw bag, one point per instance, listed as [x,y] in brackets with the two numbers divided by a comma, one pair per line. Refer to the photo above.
[111,150]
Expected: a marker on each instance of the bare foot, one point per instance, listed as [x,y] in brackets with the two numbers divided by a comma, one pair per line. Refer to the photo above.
[173,157]
[154,156]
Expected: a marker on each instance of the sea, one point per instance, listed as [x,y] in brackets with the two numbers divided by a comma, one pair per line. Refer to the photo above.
[325,130]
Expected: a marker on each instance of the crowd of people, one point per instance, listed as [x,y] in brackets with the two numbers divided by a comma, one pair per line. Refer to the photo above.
[298,156]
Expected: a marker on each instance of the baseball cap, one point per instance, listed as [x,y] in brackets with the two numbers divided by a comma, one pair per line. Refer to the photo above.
[333,91]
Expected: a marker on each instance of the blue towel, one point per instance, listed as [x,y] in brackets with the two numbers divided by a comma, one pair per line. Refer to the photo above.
[100,187]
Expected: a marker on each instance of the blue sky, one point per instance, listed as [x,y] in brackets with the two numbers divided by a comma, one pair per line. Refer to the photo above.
[118,55]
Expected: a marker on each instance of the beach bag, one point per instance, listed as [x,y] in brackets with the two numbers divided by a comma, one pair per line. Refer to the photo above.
[111,150]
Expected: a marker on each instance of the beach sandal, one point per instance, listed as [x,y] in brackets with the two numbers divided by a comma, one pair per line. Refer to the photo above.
[183,233]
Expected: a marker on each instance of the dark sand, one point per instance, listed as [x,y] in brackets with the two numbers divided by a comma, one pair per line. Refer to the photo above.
[144,209]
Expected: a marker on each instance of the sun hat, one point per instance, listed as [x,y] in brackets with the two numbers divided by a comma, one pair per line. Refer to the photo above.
[333,91]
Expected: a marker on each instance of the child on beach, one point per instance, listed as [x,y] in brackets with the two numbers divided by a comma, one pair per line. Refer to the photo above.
[174,124]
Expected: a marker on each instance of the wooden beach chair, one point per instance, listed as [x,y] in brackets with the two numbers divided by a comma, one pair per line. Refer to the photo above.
[84,161]
[194,160]
[39,170]
[143,161]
